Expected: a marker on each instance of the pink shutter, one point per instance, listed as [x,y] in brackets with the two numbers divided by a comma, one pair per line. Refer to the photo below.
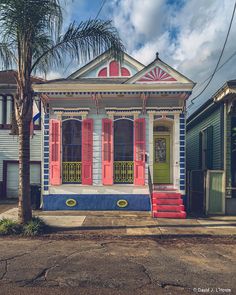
[139,151]
[55,151]
[107,152]
[87,151]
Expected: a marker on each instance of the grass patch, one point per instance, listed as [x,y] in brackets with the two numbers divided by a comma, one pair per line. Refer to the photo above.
[9,227]
[33,228]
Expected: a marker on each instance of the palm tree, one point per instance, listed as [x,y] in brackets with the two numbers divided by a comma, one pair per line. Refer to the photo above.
[32,40]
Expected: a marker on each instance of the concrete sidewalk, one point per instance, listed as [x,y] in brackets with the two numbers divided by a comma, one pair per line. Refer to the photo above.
[130,223]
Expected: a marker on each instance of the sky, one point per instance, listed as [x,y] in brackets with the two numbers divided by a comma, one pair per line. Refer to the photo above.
[188,34]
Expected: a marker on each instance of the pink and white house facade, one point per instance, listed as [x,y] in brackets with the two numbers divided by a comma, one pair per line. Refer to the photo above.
[114,138]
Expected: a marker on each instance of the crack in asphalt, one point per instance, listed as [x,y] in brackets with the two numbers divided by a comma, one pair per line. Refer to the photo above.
[5,271]
[41,275]
[160,284]
[143,268]
[25,253]
[13,257]
[6,263]
[17,256]
[44,272]
[145,271]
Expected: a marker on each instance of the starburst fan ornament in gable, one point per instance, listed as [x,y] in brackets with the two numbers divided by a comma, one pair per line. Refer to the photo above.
[156,75]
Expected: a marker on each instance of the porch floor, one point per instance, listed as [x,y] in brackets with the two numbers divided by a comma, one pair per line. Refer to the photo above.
[120,189]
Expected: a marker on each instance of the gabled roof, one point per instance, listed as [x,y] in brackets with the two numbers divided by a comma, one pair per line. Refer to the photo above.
[105,74]
[95,63]
[86,81]
[158,72]
[226,91]
[9,77]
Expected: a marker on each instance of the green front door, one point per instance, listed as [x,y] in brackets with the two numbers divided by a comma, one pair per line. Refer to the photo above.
[161,159]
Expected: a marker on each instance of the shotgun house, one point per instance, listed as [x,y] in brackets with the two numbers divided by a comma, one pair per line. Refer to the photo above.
[114,138]
[211,154]
[9,139]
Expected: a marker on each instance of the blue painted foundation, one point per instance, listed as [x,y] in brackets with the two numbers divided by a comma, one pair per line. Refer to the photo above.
[96,202]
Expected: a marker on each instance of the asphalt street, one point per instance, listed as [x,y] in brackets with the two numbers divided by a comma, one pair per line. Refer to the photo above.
[113,265]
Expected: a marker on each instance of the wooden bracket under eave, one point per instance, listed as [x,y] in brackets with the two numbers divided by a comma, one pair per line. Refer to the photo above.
[95,99]
[144,97]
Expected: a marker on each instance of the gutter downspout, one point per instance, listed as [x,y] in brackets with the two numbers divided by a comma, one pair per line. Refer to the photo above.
[225,157]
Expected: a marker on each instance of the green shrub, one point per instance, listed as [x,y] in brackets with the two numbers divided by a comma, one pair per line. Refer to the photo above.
[34,227]
[9,227]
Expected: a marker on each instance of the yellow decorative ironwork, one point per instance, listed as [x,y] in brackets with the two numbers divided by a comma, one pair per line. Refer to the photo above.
[123,172]
[71,172]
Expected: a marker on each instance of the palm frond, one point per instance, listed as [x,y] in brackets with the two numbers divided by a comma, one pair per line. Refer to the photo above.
[7,56]
[23,20]
[82,42]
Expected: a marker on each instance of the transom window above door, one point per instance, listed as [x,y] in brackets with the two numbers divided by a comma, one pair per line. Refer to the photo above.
[161,128]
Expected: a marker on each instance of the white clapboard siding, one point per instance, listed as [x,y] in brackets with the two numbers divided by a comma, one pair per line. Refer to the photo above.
[97,149]
[13,178]
[9,148]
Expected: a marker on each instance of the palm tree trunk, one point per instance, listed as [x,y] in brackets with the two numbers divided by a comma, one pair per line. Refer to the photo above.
[24,207]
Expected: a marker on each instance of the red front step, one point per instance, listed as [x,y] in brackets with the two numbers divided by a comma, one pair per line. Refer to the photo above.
[167,205]
[179,215]
[158,195]
[168,208]
[167,201]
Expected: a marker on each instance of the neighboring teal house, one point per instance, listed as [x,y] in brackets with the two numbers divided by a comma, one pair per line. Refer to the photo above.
[211,154]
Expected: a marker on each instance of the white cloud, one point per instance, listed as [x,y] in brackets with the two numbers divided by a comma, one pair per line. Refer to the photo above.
[146,26]
[53,75]
[189,36]
[137,20]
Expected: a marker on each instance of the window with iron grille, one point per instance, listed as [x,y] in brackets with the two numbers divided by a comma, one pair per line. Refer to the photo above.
[123,140]
[71,151]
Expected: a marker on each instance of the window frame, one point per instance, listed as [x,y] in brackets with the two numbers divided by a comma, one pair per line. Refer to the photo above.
[4,125]
[62,145]
[206,137]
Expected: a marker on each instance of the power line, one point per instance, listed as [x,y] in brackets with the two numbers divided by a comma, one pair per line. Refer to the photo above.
[221,54]
[100,9]
[227,60]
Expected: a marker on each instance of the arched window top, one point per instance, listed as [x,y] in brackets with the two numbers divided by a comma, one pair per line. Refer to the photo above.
[163,126]
[114,70]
